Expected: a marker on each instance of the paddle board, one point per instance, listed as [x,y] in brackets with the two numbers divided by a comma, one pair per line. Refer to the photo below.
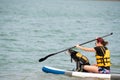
[53,70]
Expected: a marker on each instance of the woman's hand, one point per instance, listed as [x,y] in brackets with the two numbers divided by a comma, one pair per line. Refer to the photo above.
[77,46]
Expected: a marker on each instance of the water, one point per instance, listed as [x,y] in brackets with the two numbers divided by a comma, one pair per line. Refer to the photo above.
[32,29]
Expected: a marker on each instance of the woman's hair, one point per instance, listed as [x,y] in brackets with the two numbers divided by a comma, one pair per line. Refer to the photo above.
[101,40]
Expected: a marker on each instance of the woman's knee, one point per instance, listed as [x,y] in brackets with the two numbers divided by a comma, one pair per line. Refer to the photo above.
[91,68]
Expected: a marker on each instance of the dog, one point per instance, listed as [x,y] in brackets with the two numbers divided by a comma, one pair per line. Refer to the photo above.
[80,60]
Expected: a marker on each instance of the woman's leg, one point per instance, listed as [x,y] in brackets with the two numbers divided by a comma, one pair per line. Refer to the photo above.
[90,68]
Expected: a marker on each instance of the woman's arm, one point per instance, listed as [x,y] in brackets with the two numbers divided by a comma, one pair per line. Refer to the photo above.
[85,48]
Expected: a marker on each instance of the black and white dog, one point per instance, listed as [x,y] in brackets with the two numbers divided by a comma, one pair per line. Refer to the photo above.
[80,60]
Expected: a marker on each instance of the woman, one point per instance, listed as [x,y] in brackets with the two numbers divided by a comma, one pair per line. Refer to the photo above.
[102,57]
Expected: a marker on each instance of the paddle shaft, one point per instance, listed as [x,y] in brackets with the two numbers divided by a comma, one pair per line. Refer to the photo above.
[42,59]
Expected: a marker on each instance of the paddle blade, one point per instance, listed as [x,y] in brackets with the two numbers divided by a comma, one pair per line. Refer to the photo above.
[111,33]
[42,59]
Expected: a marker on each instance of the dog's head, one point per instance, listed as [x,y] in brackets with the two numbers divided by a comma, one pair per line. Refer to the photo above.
[73,53]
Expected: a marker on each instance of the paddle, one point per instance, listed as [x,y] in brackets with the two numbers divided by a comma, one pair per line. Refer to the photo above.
[44,58]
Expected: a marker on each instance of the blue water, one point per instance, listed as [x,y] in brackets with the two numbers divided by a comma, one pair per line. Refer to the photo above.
[32,29]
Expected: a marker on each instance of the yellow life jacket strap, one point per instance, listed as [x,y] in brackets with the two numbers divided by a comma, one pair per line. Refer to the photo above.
[103,51]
